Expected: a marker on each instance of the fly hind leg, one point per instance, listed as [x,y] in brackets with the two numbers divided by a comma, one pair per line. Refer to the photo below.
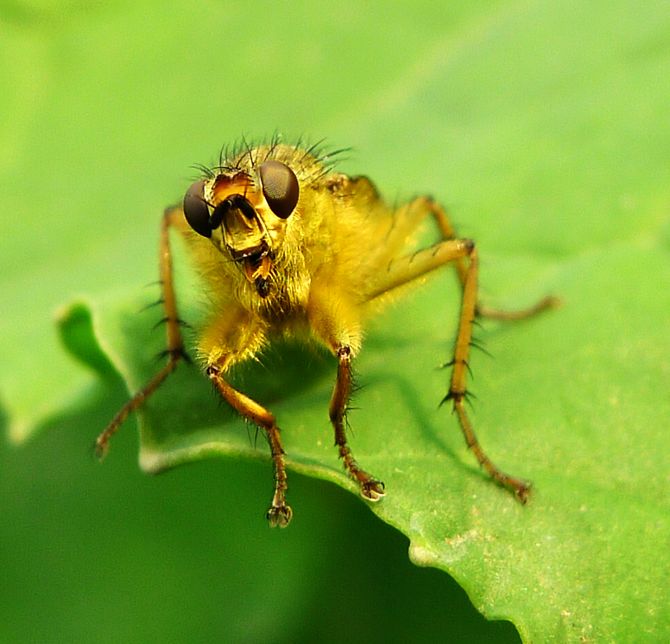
[447,232]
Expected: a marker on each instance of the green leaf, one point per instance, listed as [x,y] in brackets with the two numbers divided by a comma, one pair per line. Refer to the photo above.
[543,125]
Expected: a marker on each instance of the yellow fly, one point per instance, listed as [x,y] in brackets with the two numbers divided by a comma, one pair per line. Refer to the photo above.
[287,245]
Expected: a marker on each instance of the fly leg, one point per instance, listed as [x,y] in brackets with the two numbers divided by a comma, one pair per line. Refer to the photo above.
[334,320]
[457,388]
[371,488]
[279,513]
[467,269]
[402,270]
[448,232]
[175,346]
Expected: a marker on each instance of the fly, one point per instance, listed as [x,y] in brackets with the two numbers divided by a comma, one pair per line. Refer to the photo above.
[287,243]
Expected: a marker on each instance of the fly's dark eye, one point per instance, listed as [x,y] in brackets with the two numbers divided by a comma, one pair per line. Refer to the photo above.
[280,187]
[196,210]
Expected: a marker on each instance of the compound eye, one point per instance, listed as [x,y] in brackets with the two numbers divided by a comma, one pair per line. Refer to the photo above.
[196,210]
[280,187]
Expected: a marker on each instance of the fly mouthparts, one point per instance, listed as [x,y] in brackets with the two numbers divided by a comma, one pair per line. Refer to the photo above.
[262,286]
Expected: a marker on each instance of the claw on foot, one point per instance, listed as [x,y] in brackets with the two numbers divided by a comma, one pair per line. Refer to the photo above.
[521,490]
[100,449]
[372,490]
[279,516]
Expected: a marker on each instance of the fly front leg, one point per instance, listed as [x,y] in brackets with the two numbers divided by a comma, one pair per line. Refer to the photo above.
[334,319]
[279,513]
[370,487]
[234,335]
[173,217]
